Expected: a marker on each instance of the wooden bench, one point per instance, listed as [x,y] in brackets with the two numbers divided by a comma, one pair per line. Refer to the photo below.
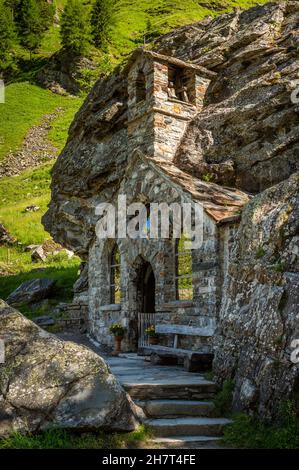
[193,360]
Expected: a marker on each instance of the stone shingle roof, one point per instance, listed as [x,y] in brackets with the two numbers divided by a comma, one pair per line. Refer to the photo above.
[223,204]
[203,71]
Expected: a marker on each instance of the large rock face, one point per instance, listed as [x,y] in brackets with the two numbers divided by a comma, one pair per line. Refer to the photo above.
[48,382]
[259,316]
[245,136]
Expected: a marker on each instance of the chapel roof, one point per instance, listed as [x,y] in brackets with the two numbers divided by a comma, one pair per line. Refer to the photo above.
[222,203]
[203,71]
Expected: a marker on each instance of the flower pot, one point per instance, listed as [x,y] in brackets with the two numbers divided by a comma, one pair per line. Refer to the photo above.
[117,344]
[153,340]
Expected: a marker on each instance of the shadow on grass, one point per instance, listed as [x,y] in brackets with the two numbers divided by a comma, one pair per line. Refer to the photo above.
[65,277]
[27,69]
[66,439]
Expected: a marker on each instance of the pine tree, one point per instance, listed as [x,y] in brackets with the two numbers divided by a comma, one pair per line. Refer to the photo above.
[102,16]
[30,24]
[47,14]
[75,28]
[7,37]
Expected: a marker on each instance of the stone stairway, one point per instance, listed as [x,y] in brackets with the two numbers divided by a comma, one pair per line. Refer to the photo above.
[181,423]
[177,405]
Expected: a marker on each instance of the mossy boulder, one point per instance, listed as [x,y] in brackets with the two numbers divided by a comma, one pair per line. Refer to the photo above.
[46,382]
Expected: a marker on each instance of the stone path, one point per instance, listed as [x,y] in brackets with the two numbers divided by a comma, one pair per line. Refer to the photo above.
[177,404]
[36,148]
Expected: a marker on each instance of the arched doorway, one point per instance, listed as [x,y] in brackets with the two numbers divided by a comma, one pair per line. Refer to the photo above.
[145,292]
[146,288]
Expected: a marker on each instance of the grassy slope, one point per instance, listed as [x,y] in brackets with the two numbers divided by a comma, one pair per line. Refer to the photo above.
[249,432]
[25,105]
[32,187]
[133,15]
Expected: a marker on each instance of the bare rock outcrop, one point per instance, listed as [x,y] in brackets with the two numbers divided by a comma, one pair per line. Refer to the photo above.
[259,318]
[45,382]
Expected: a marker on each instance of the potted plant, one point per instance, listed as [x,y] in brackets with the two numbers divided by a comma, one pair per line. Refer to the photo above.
[118,331]
[153,337]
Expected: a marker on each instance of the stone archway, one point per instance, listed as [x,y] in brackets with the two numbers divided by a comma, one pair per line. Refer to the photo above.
[146,288]
[142,294]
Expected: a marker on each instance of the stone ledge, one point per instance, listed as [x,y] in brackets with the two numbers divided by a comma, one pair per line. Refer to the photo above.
[175,304]
[184,103]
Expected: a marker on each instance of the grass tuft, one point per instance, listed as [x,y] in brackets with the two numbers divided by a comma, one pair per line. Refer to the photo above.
[65,439]
[250,432]
[223,399]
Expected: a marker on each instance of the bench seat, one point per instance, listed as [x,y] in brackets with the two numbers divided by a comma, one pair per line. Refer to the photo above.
[193,360]
[185,330]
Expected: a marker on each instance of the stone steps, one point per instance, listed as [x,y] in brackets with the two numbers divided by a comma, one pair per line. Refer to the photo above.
[201,390]
[186,442]
[177,405]
[187,426]
[176,408]
[179,421]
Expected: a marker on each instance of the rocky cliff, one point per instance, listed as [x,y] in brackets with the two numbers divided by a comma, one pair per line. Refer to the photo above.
[246,136]
[259,318]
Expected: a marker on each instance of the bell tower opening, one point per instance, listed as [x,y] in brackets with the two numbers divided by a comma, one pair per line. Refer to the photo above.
[178,84]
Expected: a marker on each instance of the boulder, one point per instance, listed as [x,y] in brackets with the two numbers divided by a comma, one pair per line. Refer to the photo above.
[32,208]
[31,291]
[5,237]
[31,247]
[38,254]
[47,382]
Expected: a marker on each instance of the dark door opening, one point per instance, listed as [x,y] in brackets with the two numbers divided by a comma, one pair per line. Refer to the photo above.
[146,288]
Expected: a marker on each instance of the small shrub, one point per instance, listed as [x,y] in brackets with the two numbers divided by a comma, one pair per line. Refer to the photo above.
[151,331]
[223,399]
[260,252]
[209,375]
[251,432]
[207,177]
[279,267]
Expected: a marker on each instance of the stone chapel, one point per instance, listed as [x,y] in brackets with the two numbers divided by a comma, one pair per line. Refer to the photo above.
[144,282]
